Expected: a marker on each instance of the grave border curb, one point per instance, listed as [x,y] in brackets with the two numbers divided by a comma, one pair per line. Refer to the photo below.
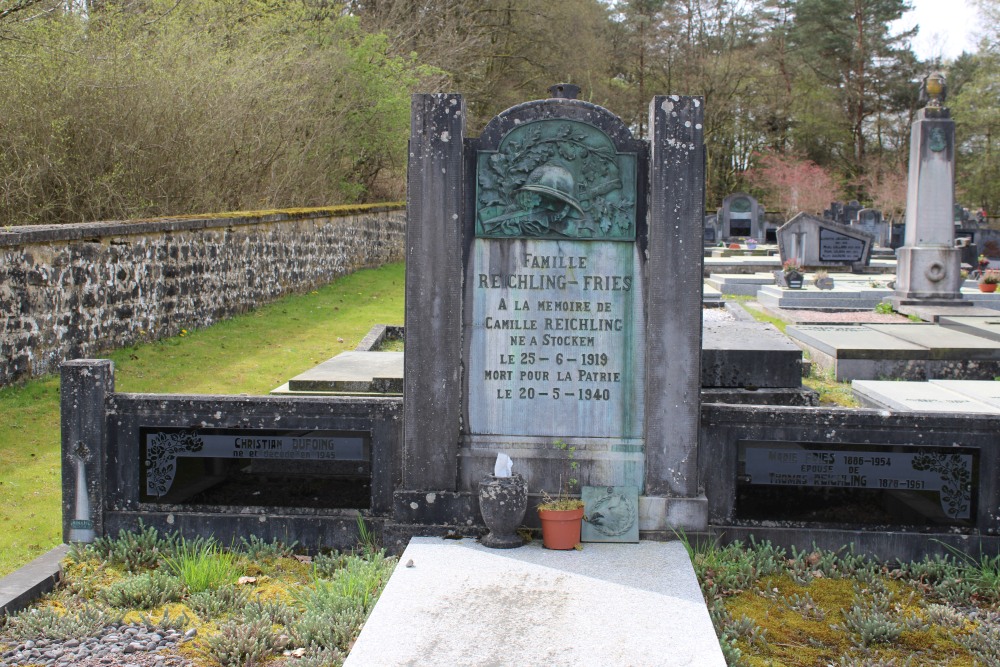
[25,585]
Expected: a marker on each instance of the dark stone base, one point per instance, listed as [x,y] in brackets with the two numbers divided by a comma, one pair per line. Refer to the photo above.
[310,533]
[435,508]
[502,541]
[879,545]
[774,396]
[916,300]
[748,355]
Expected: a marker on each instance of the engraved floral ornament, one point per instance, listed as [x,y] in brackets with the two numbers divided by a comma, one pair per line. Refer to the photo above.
[956,480]
[555,179]
[161,459]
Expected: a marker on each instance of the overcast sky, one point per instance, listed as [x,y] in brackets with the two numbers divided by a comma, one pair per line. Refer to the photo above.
[947,27]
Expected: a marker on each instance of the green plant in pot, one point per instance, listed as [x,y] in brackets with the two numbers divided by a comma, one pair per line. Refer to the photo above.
[989,280]
[562,515]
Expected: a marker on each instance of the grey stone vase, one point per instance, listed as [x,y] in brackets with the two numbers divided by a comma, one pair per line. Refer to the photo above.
[502,502]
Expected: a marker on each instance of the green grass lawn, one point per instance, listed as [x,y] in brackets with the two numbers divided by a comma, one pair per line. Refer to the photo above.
[248,354]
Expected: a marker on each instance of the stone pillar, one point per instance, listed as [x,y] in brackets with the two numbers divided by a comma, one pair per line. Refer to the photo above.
[673,328]
[84,387]
[929,264]
[434,243]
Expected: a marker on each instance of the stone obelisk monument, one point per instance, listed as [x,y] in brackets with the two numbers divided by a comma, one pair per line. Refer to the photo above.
[928,270]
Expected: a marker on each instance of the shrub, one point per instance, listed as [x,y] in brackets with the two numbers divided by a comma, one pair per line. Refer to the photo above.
[257,549]
[48,623]
[135,550]
[136,109]
[332,627]
[143,591]
[211,604]
[241,644]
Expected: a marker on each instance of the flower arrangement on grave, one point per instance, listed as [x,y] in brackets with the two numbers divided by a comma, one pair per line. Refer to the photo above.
[822,279]
[792,265]
[751,243]
[990,277]
[984,261]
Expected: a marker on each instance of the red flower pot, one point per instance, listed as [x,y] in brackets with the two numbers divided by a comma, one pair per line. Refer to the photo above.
[987,287]
[561,528]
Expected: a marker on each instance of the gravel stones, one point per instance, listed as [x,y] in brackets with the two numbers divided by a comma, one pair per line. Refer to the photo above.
[126,645]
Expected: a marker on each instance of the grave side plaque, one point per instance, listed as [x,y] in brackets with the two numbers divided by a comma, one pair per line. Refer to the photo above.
[929,485]
[162,447]
[837,247]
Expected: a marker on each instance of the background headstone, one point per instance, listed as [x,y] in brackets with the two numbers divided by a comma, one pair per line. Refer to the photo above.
[817,242]
[741,216]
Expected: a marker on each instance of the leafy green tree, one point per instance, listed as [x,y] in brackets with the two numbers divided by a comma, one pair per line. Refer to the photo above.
[976,109]
[849,49]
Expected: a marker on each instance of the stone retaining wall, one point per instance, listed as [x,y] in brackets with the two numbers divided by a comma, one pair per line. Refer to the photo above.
[71,291]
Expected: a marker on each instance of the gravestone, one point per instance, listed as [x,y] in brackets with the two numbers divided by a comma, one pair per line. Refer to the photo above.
[816,242]
[547,300]
[928,270]
[842,212]
[711,229]
[741,216]
[870,220]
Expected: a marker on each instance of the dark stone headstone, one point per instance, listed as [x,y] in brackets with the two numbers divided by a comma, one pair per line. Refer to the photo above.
[580,315]
[741,216]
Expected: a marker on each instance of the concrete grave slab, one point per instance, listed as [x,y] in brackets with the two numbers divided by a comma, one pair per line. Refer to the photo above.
[934,313]
[748,354]
[943,343]
[354,372]
[25,585]
[917,397]
[982,327]
[849,296]
[984,391]
[856,342]
[458,603]
[858,352]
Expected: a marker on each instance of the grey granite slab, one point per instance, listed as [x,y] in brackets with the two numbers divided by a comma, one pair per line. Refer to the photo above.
[984,391]
[917,397]
[458,603]
[25,585]
[856,342]
[365,372]
[984,327]
[943,342]
[748,354]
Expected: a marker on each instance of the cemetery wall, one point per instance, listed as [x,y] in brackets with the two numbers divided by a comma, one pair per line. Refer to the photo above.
[71,291]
